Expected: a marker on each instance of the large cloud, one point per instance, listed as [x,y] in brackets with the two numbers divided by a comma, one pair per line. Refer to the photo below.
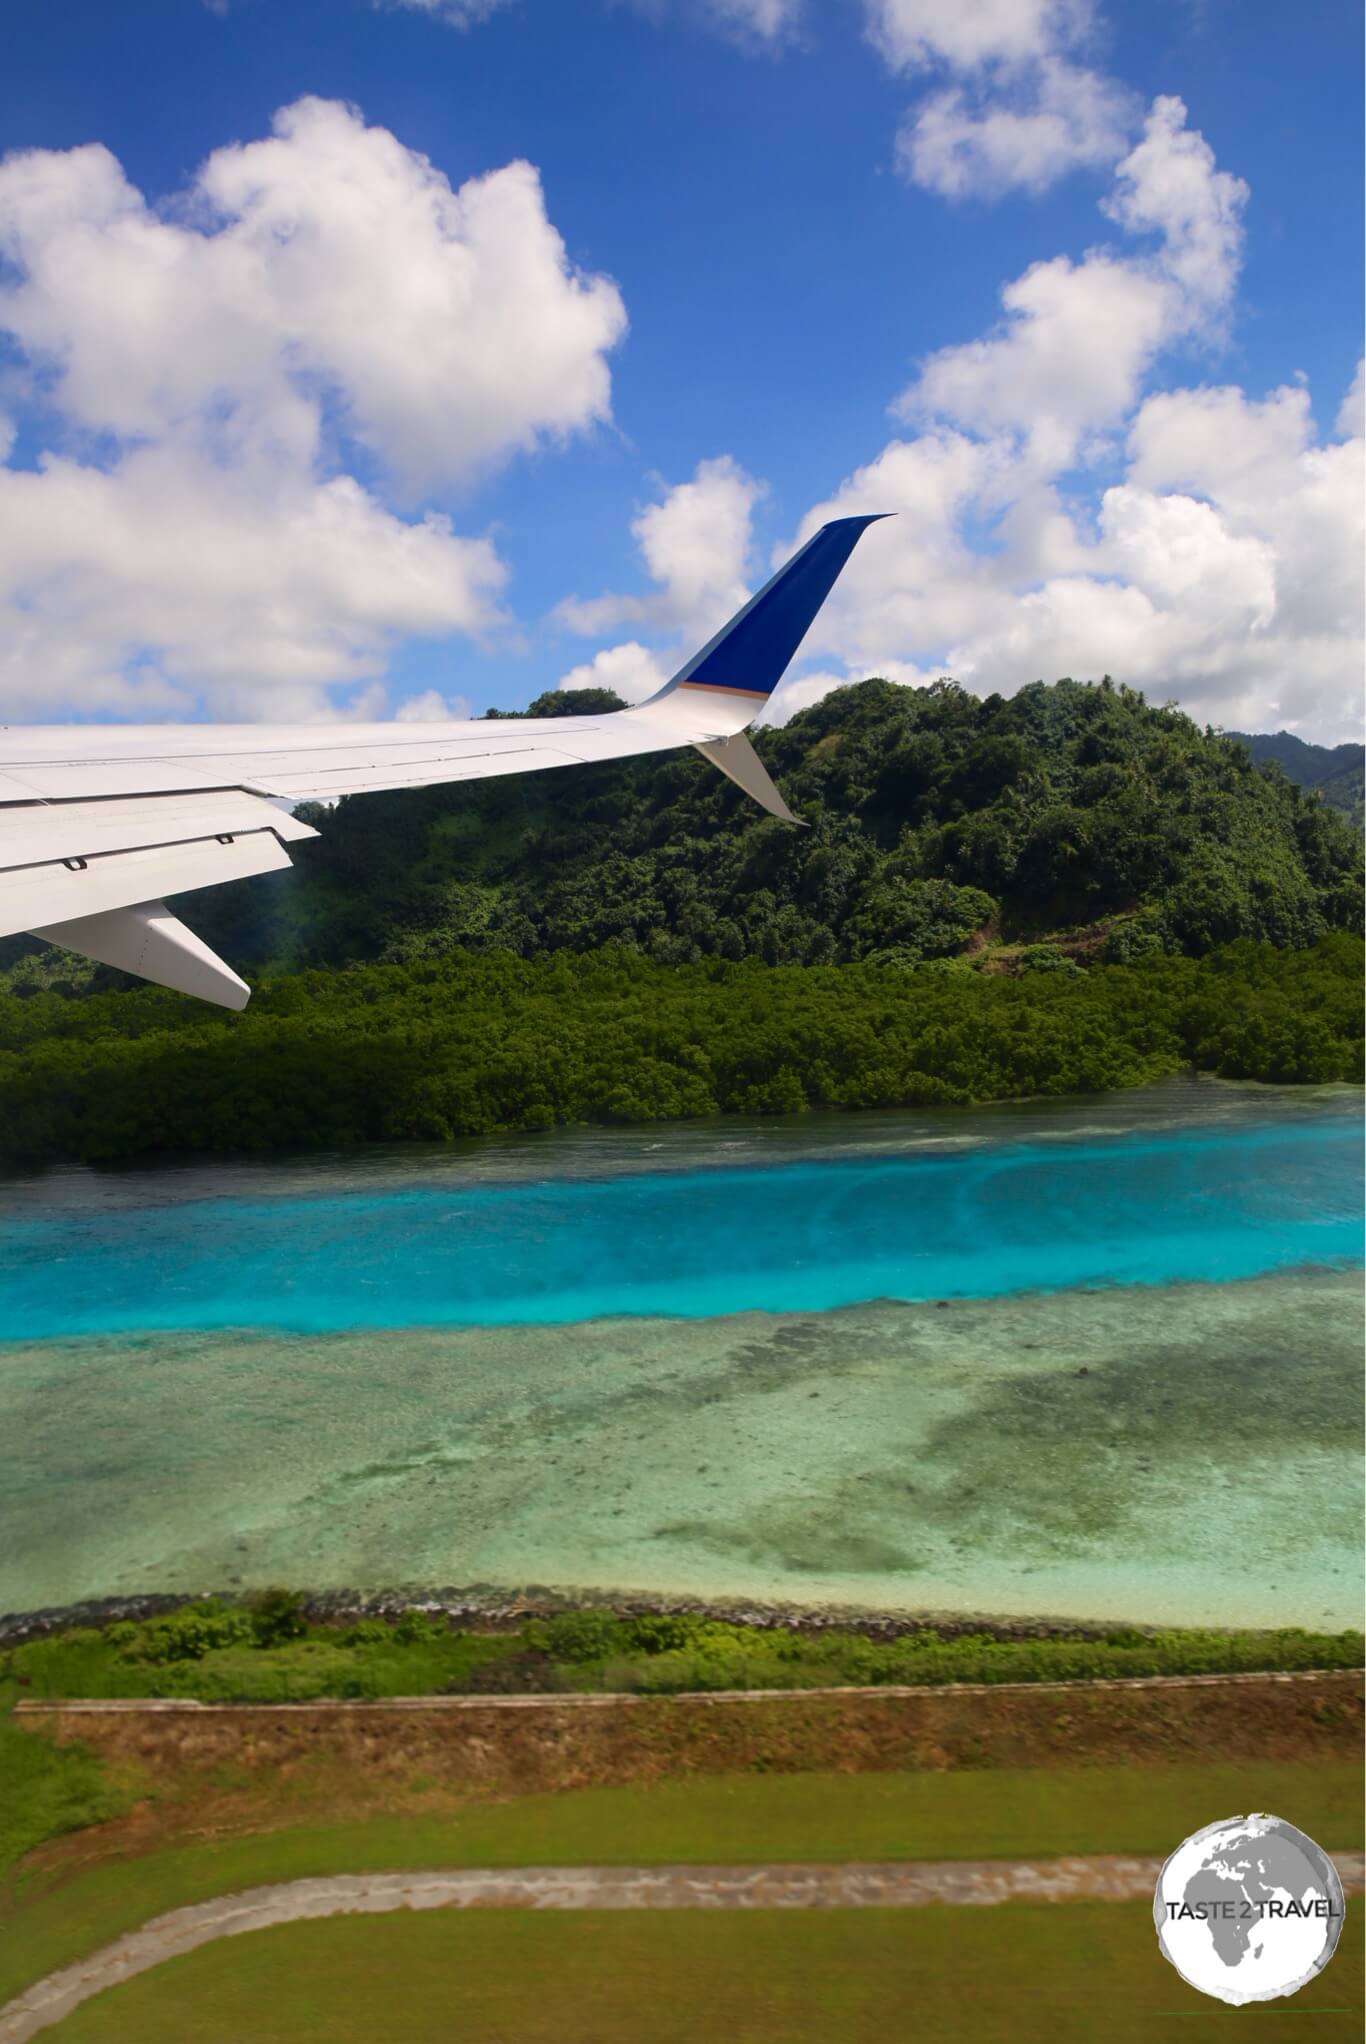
[448,325]
[1056,517]
[1222,566]
[630,670]
[1068,357]
[696,548]
[970,34]
[1078,338]
[167,582]
[209,376]
[1224,570]
[1169,184]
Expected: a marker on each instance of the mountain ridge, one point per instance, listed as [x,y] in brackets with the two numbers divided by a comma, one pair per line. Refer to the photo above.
[1338,772]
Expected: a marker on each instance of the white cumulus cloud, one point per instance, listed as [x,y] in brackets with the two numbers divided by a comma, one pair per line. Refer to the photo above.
[1069,356]
[1351,419]
[1169,184]
[1019,111]
[969,34]
[695,543]
[1221,566]
[631,670]
[168,581]
[431,707]
[1078,338]
[1224,570]
[448,326]
[207,375]
[1027,134]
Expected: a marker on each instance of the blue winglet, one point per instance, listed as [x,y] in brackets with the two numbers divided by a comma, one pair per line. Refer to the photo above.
[749,656]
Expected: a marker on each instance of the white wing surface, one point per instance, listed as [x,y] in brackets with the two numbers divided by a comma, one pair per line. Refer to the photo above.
[99,823]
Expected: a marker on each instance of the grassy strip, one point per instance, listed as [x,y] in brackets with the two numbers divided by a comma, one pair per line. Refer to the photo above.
[269,1654]
[1060,1972]
[1009,1813]
[46,1790]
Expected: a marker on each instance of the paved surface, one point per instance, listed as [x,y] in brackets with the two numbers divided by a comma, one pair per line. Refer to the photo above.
[853,1886]
[620,1699]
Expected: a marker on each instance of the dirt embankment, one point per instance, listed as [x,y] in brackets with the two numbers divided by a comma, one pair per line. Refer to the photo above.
[526,1744]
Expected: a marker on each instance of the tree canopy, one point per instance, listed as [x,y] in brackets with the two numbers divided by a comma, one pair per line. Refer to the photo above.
[474,1044]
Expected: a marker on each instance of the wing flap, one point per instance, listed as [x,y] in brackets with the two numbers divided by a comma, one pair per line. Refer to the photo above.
[32,834]
[60,890]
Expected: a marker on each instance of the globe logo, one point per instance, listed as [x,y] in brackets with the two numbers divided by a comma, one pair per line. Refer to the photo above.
[1248,1909]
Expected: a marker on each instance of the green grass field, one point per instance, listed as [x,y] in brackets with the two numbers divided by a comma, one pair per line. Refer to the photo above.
[1070,1973]
[1009,1813]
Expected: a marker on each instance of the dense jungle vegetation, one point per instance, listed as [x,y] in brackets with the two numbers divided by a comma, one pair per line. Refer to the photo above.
[1066,891]
[476,1043]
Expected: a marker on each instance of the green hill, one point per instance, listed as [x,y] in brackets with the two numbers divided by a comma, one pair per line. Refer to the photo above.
[1072,817]
[1336,772]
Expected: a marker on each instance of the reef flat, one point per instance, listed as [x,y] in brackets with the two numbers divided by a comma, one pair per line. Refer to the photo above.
[1181,1454]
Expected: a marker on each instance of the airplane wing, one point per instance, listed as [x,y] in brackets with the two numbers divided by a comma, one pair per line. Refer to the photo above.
[99,823]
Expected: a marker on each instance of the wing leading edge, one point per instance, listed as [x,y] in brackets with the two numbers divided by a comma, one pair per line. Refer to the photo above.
[98,824]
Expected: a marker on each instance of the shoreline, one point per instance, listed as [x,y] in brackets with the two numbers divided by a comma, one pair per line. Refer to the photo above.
[517,1156]
[482,1608]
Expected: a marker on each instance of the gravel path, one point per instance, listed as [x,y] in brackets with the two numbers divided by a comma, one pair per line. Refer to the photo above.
[613,1699]
[856,1886]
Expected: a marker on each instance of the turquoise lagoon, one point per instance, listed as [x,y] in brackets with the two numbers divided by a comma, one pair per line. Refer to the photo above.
[1095,1359]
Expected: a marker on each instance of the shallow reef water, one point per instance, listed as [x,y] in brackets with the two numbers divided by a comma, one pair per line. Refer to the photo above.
[1093,1360]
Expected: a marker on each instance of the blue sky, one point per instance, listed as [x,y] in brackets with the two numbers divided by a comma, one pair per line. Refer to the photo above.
[784,228]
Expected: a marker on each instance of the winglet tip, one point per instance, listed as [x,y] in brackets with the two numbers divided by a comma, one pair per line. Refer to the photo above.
[861,519]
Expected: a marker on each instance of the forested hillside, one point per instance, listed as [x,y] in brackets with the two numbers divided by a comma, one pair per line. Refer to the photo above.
[1336,772]
[938,824]
[1071,820]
